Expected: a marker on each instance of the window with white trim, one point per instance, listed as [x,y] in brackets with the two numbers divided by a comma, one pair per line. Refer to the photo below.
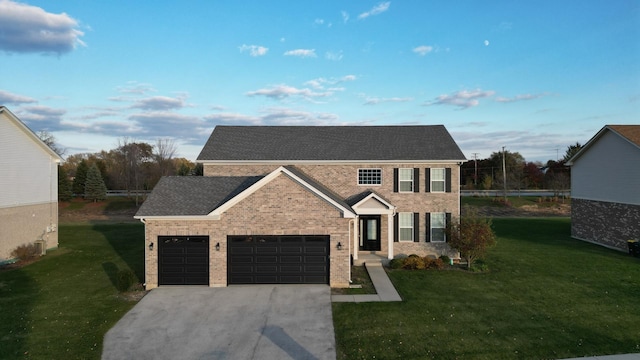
[369,176]
[437,180]
[405,226]
[438,225]
[405,180]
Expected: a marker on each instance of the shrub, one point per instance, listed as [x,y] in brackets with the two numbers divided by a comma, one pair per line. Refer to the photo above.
[126,278]
[436,264]
[445,259]
[25,252]
[396,263]
[414,263]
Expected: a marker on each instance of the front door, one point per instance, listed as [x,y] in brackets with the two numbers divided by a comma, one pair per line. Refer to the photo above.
[370,233]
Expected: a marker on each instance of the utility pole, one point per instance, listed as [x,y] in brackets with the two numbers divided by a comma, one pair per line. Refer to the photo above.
[475,177]
[504,174]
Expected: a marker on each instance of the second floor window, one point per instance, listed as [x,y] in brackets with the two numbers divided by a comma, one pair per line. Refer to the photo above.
[437,180]
[405,179]
[369,176]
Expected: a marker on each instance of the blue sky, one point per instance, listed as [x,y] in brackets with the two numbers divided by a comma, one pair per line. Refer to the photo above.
[533,76]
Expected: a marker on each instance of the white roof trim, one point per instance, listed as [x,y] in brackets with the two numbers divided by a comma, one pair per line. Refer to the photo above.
[390,208]
[267,179]
[14,119]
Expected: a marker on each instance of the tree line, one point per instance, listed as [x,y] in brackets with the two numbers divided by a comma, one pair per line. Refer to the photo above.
[488,174]
[132,166]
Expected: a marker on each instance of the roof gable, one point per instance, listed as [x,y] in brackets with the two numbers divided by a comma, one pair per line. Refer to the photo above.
[30,134]
[330,143]
[629,133]
[297,176]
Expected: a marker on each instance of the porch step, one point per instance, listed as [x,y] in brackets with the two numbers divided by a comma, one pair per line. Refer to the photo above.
[370,260]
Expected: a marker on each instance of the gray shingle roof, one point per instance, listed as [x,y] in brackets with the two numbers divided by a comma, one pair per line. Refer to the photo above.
[314,143]
[333,196]
[192,195]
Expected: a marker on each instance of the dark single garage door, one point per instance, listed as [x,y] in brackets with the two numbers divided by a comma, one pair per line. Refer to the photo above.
[183,260]
[289,259]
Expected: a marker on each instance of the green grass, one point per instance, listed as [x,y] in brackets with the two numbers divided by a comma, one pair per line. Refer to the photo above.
[359,276]
[61,306]
[515,201]
[546,296]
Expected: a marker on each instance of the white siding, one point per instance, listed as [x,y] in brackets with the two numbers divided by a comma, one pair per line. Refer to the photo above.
[28,174]
[608,171]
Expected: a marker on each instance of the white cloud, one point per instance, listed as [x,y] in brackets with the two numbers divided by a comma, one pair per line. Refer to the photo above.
[303,53]
[345,16]
[159,103]
[522,97]
[15,99]
[320,83]
[376,101]
[423,50]
[254,50]
[25,28]
[463,99]
[376,10]
[134,87]
[333,56]
[276,116]
[284,91]
[318,21]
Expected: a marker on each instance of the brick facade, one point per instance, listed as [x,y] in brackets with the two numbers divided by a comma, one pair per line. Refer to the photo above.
[25,224]
[281,207]
[606,223]
[343,180]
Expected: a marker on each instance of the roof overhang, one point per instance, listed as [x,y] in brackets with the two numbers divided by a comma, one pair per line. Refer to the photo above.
[326,162]
[594,139]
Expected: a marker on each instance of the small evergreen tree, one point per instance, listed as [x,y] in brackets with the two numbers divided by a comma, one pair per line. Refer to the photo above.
[94,188]
[64,185]
[80,178]
[471,236]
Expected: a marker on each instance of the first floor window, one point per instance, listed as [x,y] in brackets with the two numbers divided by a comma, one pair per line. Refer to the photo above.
[405,226]
[438,225]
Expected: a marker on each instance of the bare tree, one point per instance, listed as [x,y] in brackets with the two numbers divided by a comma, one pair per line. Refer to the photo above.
[50,140]
[164,151]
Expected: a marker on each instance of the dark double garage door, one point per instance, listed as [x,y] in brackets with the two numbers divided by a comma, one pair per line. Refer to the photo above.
[285,259]
[184,260]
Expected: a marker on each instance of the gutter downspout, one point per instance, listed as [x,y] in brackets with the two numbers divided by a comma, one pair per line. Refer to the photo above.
[144,284]
[349,241]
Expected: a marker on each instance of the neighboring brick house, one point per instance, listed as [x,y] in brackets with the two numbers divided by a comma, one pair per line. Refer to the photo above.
[295,204]
[28,188]
[605,187]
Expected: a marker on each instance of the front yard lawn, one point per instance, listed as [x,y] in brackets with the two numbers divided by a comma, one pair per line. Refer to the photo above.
[61,306]
[546,296]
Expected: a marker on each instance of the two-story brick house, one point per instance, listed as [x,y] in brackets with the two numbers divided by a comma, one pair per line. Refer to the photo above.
[294,204]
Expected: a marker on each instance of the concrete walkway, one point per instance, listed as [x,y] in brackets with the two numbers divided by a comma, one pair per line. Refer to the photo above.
[384,288]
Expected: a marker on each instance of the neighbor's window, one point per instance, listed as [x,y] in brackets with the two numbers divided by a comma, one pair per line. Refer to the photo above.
[369,176]
[438,224]
[405,180]
[405,226]
[437,180]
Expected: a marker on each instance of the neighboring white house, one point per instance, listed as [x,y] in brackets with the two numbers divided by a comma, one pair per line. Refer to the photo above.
[605,187]
[28,188]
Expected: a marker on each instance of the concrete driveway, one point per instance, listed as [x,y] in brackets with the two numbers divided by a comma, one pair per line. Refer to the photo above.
[238,322]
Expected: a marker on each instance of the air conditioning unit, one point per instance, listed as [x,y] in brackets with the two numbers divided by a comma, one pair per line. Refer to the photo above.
[41,247]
